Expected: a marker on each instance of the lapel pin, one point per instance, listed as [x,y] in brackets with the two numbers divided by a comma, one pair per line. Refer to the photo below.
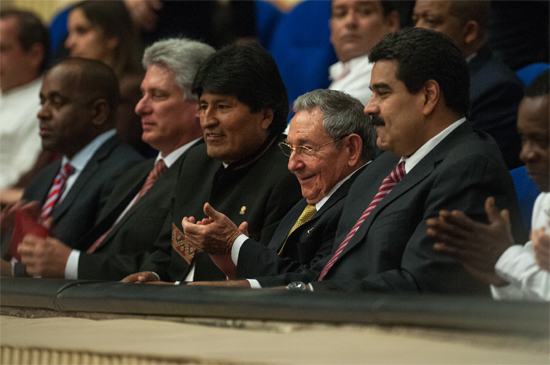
[309,230]
[243,210]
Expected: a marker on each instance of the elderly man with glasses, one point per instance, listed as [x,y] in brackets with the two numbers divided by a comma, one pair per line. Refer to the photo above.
[329,140]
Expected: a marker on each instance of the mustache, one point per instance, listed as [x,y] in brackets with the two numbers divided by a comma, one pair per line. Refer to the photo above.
[377,121]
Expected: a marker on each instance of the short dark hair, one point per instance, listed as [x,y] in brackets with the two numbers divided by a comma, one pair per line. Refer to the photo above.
[477,10]
[424,55]
[539,86]
[97,80]
[115,21]
[248,73]
[30,30]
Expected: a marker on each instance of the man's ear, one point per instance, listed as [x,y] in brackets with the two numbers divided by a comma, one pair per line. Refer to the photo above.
[100,111]
[432,95]
[355,146]
[393,21]
[36,55]
[267,118]
[470,32]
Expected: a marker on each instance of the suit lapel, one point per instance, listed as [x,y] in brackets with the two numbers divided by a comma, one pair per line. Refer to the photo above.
[421,171]
[85,176]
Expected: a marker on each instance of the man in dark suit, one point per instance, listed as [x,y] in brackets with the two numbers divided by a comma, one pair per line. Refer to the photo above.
[239,170]
[330,139]
[495,90]
[433,160]
[132,218]
[79,99]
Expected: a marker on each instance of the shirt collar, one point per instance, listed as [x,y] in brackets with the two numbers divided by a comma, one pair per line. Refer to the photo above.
[322,202]
[81,158]
[415,158]
[174,155]
[340,67]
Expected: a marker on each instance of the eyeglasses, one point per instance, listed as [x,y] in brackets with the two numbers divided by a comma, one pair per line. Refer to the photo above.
[306,151]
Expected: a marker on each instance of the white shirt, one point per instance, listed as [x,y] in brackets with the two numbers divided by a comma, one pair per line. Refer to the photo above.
[20,142]
[352,77]
[71,267]
[517,264]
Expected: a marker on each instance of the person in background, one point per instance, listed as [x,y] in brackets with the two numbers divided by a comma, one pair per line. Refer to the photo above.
[24,47]
[104,31]
[495,90]
[355,27]
[488,251]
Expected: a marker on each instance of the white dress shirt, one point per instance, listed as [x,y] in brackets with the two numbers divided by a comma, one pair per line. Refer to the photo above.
[71,268]
[352,77]
[20,142]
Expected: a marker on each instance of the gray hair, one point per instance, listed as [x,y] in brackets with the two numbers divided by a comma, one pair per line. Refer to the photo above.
[342,115]
[181,55]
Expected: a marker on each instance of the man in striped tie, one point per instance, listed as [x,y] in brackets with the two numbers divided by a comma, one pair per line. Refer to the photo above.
[79,99]
[433,160]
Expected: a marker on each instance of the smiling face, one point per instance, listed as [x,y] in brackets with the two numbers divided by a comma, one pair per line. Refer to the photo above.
[358,25]
[533,126]
[231,131]
[66,114]
[316,174]
[167,118]
[88,40]
[396,113]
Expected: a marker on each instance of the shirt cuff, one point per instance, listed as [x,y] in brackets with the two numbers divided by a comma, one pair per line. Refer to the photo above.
[237,248]
[71,268]
[254,284]
[157,275]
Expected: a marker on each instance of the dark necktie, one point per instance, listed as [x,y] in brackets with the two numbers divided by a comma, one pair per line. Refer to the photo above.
[154,175]
[387,185]
[308,213]
[56,191]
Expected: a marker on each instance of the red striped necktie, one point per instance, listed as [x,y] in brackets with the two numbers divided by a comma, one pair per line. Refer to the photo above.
[154,175]
[56,191]
[387,185]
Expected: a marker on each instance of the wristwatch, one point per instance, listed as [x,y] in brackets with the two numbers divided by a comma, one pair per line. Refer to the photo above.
[297,285]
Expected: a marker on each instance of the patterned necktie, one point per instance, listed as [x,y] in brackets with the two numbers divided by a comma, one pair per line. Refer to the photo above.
[154,175]
[56,191]
[387,185]
[308,213]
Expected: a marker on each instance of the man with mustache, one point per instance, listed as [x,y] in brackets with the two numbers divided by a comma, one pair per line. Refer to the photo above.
[330,141]
[488,251]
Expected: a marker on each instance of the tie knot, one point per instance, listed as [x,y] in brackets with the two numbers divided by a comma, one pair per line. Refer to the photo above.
[308,212]
[67,170]
[398,172]
[159,169]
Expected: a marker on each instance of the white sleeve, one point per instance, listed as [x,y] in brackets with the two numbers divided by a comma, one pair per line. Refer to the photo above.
[527,280]
[237,248]
[71,268]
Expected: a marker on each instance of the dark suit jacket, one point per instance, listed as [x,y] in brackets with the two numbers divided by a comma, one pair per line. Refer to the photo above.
[495,93]
[123,250]
[391,251]
[259,190]
[79,210]
[308,244]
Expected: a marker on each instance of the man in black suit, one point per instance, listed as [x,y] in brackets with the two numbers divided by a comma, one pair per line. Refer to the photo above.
[239,169]
[495,90]
[79,98]
[329,140]
[128,225]
[434,160]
